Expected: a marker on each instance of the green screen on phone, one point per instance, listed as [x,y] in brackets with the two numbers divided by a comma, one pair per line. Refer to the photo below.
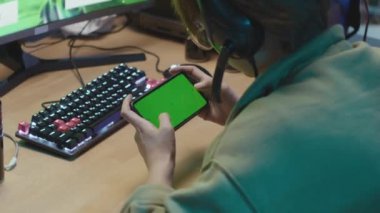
[176,96]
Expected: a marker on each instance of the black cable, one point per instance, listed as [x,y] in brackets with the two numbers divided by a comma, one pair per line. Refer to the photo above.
[367,21]
[42,45]
[254,66]
[43,104]
[75,67]
[125,47]
[352,18]
[71,42]
[71,45]
[221,64]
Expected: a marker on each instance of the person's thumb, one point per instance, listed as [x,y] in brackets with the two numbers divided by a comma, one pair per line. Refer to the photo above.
[165,120]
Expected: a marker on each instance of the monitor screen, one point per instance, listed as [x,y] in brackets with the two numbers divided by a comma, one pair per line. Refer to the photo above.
[22,18]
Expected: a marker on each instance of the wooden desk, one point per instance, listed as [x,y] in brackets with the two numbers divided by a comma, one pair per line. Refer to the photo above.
[101,179]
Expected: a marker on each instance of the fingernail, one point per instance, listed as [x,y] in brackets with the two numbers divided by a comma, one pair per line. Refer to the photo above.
[165,114]
[173,66]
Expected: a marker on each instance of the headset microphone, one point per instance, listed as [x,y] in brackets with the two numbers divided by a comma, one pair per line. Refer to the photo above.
[232,35]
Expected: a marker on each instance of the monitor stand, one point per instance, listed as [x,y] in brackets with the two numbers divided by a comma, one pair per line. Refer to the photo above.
[26,65]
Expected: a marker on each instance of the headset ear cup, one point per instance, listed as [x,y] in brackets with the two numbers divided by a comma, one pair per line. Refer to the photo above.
[224,22]
[232,34]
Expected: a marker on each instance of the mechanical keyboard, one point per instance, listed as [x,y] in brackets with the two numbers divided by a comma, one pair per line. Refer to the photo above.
[86,115]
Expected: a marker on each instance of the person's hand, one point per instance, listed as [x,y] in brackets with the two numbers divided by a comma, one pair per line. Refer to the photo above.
[156,145]
[215,112]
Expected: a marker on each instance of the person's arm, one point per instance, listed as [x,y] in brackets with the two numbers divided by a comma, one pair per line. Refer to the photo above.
[214,191]
[156,145]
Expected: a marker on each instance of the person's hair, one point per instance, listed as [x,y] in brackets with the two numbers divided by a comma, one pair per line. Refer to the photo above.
[293,22]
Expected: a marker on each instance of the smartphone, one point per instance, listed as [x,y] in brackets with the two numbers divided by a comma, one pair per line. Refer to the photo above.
[176,96]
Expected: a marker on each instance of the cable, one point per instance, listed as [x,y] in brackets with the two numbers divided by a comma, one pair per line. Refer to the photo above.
[71,44]
[254,66]
[43,104]
[13,162]
[125,47]
[367,20]
[75,68]
[41,46]
[221,64]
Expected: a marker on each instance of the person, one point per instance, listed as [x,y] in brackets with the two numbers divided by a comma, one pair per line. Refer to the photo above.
[304,137]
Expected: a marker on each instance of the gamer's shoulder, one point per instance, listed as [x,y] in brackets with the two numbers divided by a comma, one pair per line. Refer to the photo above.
[363,55]
[367,45]
[303,114]
[303,128]
[347,57]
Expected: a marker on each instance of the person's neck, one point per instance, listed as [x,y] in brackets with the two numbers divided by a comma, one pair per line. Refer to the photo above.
[271,52]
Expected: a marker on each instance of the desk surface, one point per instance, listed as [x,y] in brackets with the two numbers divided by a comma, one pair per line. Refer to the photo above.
[101,179]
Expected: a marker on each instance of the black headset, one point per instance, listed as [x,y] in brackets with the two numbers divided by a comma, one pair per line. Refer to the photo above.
[351,16]
[235,35]
[231,33]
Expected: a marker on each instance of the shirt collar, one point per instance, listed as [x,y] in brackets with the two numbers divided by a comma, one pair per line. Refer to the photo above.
[286,68]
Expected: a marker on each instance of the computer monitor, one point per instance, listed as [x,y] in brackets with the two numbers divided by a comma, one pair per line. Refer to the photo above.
[22,19]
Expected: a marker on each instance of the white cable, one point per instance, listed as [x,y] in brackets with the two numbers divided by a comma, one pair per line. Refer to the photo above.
[13,162]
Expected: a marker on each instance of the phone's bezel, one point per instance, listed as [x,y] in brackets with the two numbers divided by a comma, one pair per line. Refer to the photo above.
[163,84]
